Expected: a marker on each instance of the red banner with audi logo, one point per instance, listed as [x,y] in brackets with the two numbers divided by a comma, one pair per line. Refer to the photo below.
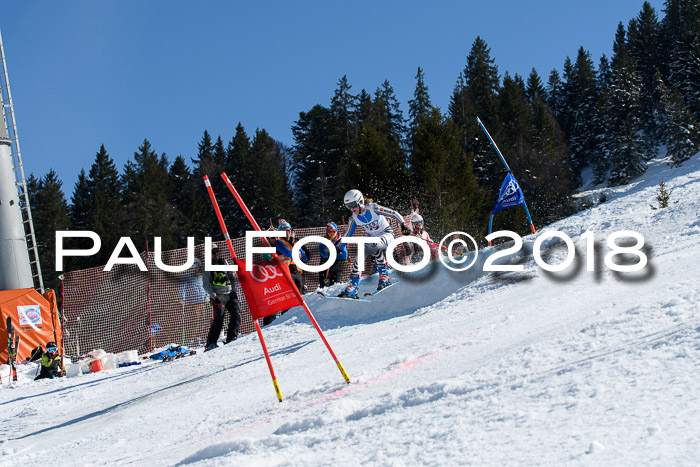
[268,288]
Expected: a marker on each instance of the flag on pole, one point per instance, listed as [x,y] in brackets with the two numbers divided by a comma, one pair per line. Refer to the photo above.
[268,288]
[510,195]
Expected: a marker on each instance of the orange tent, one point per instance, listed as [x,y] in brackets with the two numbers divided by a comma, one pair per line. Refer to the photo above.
[34,317]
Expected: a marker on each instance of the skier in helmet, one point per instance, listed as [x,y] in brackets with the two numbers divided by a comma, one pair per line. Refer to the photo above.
[417,230]
[51,363]
[373,219]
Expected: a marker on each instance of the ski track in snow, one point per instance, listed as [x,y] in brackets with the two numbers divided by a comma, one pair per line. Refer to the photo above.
[528,367]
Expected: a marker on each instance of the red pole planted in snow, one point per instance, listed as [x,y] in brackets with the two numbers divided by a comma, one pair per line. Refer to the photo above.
[229,244]
[294,288]
[269,362]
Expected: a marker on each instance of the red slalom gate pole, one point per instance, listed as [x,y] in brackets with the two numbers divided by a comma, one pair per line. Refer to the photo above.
[296,290]
[224,230]
[269,362]
[207,183]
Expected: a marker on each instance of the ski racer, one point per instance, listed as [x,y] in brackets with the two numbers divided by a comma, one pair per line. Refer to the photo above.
[418,231]
[373,219]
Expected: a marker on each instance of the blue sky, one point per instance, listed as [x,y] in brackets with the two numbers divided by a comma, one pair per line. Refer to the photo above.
[86,73]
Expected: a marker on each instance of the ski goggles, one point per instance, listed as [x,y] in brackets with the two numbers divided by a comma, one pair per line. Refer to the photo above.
[51,349]
[352,205]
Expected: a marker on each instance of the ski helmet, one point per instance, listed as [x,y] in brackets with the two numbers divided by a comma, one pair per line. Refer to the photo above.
[331,227]
[284,226]
[51,347]
[353,199]
[417,219]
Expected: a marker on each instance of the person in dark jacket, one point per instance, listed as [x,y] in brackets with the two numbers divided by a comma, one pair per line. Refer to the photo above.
[332,275]
[219,286]
[51,363]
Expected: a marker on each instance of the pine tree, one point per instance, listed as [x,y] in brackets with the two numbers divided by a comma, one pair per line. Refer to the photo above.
[534,89]
[478,95]
[179,198]
[582,96]
[80,203]
[343,112]
[513,113]
[461,111]
[643,42]
[80,211]
[565,110]
[219,152]
[106,214]
[481,77]
[680,39]
[419,108]
[201,215]
[542,168]
[554,92]
[145,194]
[240,166]
[343,135]
[627,144]
[50,213]
[387,120]
[315,163]
[682,132]
[444,180]
[369,162]
[271,195]
[602,123]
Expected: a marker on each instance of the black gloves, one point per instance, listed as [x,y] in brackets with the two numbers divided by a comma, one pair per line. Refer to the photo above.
[405,230]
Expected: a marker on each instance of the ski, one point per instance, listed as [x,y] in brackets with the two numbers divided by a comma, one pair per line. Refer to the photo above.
[11,350]
[377,292]
[342,298]
[14,358]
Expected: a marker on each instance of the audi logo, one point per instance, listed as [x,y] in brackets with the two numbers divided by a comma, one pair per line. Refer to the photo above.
[265,273]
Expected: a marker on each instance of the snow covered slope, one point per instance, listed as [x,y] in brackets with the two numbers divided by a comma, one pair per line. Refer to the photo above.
[529,367]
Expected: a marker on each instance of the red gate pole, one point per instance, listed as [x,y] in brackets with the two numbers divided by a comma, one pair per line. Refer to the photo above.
[296,290]
[229,244]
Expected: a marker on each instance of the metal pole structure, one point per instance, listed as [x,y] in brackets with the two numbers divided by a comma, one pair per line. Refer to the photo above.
[18,246]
